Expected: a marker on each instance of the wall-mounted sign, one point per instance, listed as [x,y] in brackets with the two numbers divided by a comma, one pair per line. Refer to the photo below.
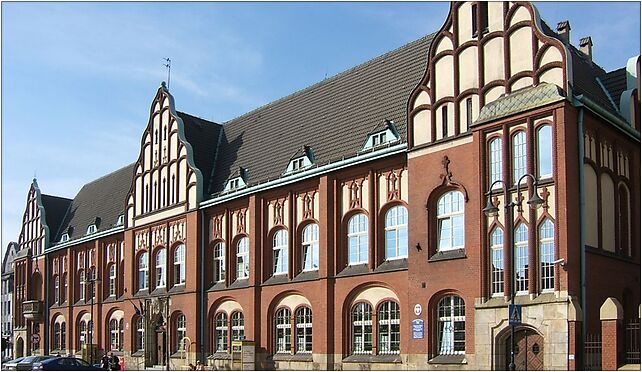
[417,309]
[418,329]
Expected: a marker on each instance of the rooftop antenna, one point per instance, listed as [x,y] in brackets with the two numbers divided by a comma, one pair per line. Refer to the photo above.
[168,65]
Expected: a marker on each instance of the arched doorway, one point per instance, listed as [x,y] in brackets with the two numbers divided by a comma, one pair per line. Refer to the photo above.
[20,346]
[529,350]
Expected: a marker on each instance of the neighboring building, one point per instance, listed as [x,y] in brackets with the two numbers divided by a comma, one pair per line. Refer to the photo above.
[6,301]
[344,226]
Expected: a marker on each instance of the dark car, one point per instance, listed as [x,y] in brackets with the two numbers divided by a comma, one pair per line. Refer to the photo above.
[27,363]
[10,365]
[64,364]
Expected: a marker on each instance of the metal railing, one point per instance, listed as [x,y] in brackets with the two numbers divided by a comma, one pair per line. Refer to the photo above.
[632,341]
[593,352]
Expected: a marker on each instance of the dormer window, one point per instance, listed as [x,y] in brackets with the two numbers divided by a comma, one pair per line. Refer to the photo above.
[64,238]
[302,159]
[297,164]
[381,135]
[121,220]
[236,180]
[91,229]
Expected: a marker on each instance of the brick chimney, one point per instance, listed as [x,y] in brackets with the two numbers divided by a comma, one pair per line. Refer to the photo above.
[564,30]
[586,47]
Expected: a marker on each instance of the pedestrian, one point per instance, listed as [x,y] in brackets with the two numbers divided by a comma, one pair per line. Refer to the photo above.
[115,363]
[191,367]
[200,366]
[104,362]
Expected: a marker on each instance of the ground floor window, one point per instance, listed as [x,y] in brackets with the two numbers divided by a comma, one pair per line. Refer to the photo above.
[388,331]
[283,331]
[221,332]
[304,330]
[451,325]
[362,329]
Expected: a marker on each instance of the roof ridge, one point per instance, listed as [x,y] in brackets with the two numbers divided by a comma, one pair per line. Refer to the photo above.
[104,176]
[55,196]
[332,78]
[197,117]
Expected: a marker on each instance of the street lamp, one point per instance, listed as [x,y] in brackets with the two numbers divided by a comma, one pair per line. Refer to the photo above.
[93,282]
[491,211]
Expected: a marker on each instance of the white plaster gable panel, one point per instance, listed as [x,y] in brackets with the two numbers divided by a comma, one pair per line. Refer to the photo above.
[229,306]
[35,233]
[166,175]
[177,231]
[293,301]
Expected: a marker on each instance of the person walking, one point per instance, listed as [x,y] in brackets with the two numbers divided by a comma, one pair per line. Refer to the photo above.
[115,363]
[104,362]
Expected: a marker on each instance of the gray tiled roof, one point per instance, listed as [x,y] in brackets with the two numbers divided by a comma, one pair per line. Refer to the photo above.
[55,210]
[615,84]
[7,260]
[103,198]
[321,115]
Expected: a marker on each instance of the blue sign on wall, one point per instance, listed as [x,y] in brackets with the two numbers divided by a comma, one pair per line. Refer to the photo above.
[418,328]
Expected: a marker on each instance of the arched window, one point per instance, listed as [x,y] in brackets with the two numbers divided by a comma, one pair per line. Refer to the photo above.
[280,252]
[181,332]
[310,247]
[56,337]
[624,220]
[57,289]
[304,330]
[362,329]
[545,151]
[547,255]
[121,339]
[143,271]
[283,331]
[82,335]
[219,262]
[519,155]
[521,258]
[63,294]
[238,326]
[242,258]
[63,336]
[495,161]
[221,332]
[451,325]
[396,232]
[179,265]
[388,328]
[82,289]
[497,262]
[91,276]
[160,268]
[358,239]
[139,343]
[450,221]
[114,333]
[112,280]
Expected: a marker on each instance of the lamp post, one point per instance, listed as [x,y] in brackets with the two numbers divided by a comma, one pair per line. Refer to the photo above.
[490,211]
[93,282]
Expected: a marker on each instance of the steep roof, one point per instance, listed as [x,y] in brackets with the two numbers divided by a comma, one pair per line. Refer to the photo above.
[103,198]
[615,84]
[319,116]
[55,210]
[203,136]
[7,260]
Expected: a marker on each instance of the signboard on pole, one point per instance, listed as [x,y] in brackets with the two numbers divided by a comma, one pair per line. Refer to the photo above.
[514,314]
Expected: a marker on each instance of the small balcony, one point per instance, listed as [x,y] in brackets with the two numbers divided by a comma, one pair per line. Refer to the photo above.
[32,310]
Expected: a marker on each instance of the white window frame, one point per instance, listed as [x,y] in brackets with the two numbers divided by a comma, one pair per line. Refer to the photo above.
[238,326]
[139,342]
[219,262]
[112,280]
[114,335]
[283,331]
[388,328]
[396,233]
[361,320]
[161,268]
[143,269]
[280,252]
[220,326]
[121,220]
[451,210]
[181,331]
[519,155]
[451,315]
[547,255]
[303,327]
[234,184]
[64,238]
[57,289]
[497,262]
[243,258]
[544,149]
[310,247]
[521,259]
[82,278]
[179,264]
[91,229]
[495,162]
[358,239]
[298,164]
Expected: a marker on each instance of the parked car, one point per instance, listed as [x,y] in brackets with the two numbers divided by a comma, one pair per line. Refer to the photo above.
[11,364]
[64,364]
[27,363]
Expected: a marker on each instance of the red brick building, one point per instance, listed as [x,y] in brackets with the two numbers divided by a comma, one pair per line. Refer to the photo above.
[349,225]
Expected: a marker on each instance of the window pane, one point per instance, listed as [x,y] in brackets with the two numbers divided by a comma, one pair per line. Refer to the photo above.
[358,239]
[545,151]
[521,258]
[547,255]
[497,261]
[495,165]
[519,156]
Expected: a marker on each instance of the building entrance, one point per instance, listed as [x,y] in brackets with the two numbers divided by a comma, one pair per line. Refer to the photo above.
[529,350]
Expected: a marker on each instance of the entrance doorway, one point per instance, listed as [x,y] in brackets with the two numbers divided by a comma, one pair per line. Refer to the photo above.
[20,345]
[156,342]
[529,350]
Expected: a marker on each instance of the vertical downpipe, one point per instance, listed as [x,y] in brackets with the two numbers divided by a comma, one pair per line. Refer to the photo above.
[45,323]
[201,331]
[580,139]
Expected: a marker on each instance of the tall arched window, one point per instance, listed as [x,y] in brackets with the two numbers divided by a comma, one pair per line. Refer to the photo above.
[91,275]
[362,329]
[358,239]
[160,268]
[114,334]
[304,330]
[63,336]
[283,331]
[180,332]
[82,334]
[143,271]
[519,155]
[112,280]
[450,221]
[280,252]
[179,265]
[139,343]
[497,262]
[63,294]
[242,258]
[451,325]
[545,151]
[121,339]
[388,328]
[310,247]
[238,326]
[624,220]
[396,232]
[56,336]
[57,289]
[521,258]
[495,161]
[219,262]
[221,332]
[547,255]
[82,289]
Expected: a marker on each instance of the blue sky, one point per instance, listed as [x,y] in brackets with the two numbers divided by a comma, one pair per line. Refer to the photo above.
[78,78]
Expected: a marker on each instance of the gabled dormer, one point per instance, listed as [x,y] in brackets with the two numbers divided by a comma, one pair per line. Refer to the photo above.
[93,227]
[383,134]
[302,159]
[236,180]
